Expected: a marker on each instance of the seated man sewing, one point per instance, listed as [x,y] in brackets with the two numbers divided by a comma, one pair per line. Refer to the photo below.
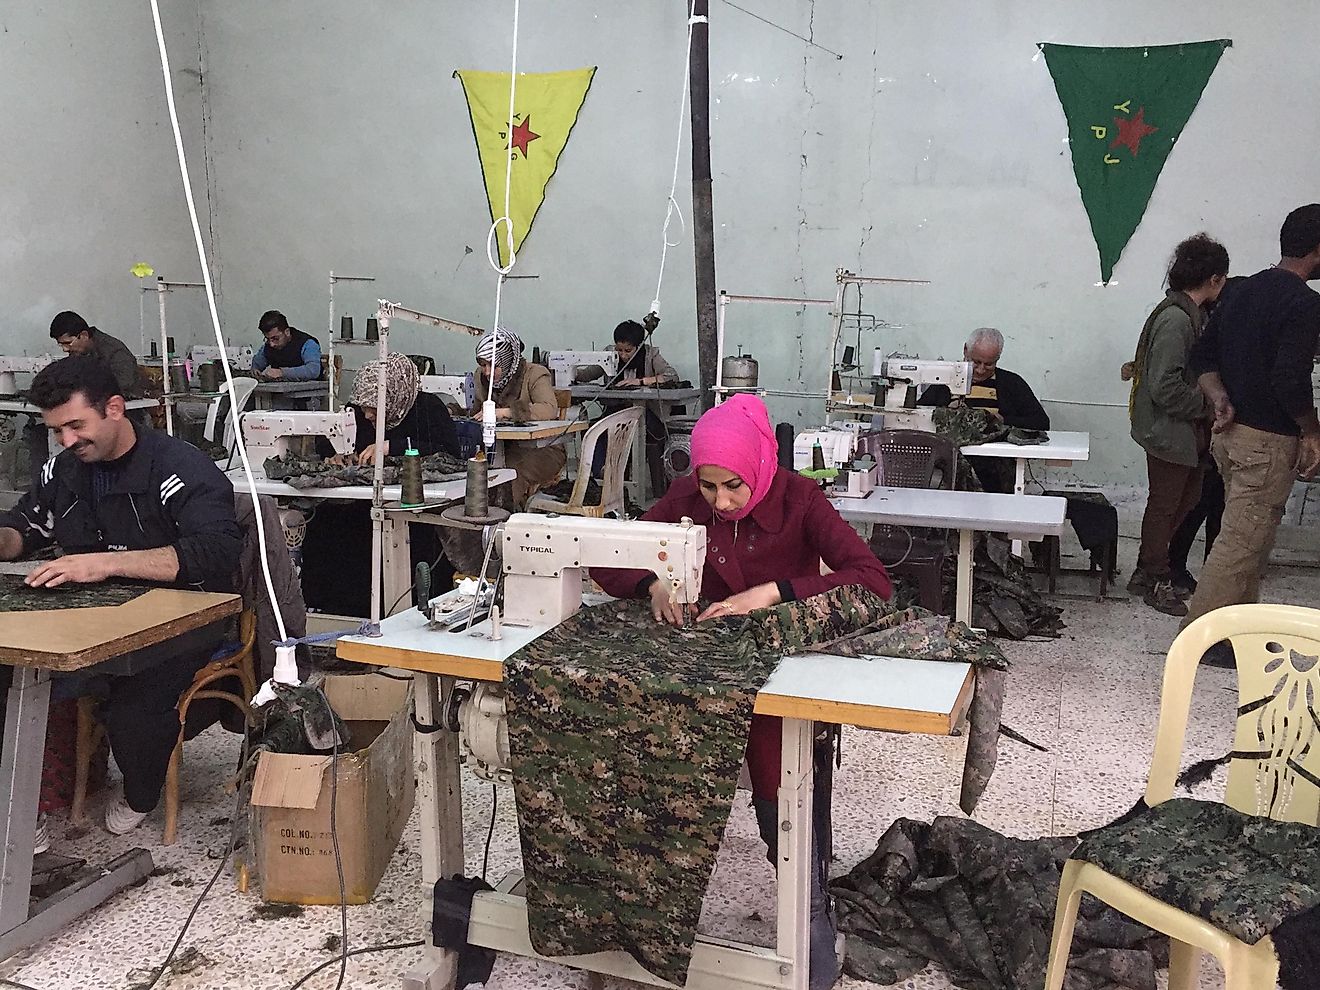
[288,354]
[129,504]
[641,365]
[1006,395]
[74,336]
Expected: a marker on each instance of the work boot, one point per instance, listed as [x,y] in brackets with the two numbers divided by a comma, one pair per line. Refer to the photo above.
[1140,582]
[1162,598]
[1183,582]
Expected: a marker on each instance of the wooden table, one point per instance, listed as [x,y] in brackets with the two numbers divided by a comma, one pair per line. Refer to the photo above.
[967,512]
[871,692]
[265,394]
[37,643]
[534,432]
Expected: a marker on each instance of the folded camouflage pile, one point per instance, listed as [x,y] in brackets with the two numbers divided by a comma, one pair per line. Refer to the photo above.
[315,472]
[627,738]
[981,906]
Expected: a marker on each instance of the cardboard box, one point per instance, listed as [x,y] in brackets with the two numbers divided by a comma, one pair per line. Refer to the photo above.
[291,837]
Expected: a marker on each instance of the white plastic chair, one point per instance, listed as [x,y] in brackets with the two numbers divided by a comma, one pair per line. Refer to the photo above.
[1265,639]
[617,430]
[243,389]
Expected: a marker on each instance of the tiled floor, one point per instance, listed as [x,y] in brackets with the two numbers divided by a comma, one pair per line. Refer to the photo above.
[1090,698]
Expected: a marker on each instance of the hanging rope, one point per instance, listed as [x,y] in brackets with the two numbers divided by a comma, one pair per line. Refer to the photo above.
[492,246]
[672,208]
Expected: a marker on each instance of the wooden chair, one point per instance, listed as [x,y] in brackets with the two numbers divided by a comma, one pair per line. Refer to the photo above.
[617,431]
[1272,776]
[565,400]
[239,663]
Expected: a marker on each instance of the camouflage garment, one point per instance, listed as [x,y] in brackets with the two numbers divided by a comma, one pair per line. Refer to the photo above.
[314,472]
[981,906]
[922,635]
[15,596]
[626,740]
[1242,873]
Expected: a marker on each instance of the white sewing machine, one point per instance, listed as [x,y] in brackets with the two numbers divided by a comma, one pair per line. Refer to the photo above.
[899,382]
[10,366]
[267,434]
[563,364]
[239,358]
[462,388]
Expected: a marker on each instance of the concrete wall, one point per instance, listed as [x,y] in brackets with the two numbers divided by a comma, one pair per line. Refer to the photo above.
[934,149]
[90,179]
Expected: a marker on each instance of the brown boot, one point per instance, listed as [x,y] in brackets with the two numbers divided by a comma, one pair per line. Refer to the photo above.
[1163,598]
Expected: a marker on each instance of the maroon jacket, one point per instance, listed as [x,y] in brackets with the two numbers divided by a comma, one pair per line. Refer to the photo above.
[785,538]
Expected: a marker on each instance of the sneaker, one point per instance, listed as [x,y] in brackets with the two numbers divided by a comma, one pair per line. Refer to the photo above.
[1139,583]
[41,838]
[1183,582]
[120,819]
[1162,598]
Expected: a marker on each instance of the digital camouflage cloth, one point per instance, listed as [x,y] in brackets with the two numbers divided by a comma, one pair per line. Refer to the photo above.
[1242,873]
[626,739]
[15,596]
[922,635]
[315,472]
[981,906]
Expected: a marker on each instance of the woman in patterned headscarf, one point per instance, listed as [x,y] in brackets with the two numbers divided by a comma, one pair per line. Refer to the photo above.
[410,413]
[524,392]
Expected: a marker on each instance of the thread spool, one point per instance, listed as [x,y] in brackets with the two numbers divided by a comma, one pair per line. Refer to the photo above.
[373,328]
[169,345]
[155,351]
[817,457]
[412,492]
[346,328]
[209,375]
[476,496]
[784,440]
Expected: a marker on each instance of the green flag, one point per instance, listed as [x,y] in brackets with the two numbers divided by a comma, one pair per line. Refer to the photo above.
[1125,109]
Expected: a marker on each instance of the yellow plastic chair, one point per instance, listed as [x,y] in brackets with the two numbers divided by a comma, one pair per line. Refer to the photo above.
[1262,635]
[616,431]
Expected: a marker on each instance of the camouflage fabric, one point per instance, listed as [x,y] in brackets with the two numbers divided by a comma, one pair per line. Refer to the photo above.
[1242,873]
[921,635]
[15,596]
[314,472]
[981,906]
[966,425]
[626,741]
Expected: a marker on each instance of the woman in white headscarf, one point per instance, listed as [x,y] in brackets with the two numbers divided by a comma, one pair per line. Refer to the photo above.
[524,392]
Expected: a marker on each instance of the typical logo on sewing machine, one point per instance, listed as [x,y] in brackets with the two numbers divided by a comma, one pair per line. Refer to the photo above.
[527,549]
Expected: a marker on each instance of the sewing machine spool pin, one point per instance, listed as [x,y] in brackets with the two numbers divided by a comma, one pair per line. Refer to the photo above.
[476,509]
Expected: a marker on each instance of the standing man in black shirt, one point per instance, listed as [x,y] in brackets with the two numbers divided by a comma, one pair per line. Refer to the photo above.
[1254,364]
[1006,395]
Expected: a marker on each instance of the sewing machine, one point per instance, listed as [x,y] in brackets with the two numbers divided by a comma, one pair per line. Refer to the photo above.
[10,366]
[898,384]
[563,365]
[462,388]
[845,447]
[239,358]
[267,434]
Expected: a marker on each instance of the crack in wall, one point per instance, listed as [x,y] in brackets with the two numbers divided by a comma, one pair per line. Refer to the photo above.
[870,149]
[208,159]
[801,278]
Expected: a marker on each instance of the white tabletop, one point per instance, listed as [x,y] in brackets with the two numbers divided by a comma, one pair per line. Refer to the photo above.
[446,491]
[539,429]
[982,511]
[1061,446]
[23,406]
[646,394]
[875,682]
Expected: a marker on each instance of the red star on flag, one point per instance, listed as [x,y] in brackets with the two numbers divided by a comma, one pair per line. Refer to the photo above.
[1130,131]
[523,135]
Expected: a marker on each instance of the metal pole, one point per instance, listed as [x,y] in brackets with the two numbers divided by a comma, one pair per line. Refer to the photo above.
[703,210]
[330,335]
[161,289]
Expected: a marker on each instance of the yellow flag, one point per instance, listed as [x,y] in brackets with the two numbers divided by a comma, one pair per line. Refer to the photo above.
[546,106]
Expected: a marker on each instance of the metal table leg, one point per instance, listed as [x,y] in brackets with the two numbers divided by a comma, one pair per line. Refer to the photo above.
[794,880]
[20,781]
[962,610]
[1019,488]
[440,809]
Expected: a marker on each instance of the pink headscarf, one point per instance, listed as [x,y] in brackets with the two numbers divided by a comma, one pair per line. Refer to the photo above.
[737,436]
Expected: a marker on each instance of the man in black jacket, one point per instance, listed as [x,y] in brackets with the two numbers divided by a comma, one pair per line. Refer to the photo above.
[1254,361]
[1005,394]
[127,504]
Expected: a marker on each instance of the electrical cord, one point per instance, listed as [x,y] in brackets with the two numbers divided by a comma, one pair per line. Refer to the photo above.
[339,862]
[490,833]
[384,947]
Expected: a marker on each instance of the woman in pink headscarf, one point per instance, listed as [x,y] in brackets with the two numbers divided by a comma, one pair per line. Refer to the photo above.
[768,530]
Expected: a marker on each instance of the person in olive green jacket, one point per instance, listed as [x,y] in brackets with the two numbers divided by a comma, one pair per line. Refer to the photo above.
[1170,414]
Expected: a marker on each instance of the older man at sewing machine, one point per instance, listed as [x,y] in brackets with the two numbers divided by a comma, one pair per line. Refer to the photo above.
[1005,395]
[126,504]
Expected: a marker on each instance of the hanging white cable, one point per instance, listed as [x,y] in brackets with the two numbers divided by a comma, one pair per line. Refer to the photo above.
[672,208]
[215,316]
[492,249]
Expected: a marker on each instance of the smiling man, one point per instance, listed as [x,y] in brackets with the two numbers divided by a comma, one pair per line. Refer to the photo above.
[123,503]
